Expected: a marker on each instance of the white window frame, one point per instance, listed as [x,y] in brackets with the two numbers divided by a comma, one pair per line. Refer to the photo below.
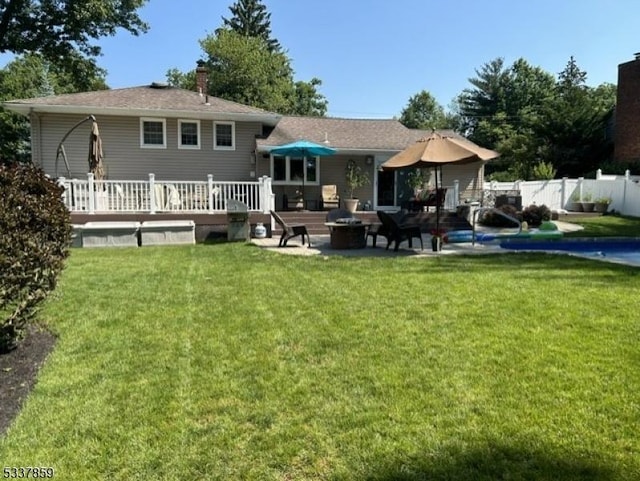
[164,133]
[186,146]
[288,180]
[215,135]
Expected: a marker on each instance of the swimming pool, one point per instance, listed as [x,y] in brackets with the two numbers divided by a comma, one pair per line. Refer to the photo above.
[620,250]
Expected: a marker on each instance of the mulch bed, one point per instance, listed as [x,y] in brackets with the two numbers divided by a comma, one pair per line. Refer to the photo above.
[18,371]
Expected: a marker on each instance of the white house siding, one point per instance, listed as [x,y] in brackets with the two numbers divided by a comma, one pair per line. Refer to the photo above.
[126,160]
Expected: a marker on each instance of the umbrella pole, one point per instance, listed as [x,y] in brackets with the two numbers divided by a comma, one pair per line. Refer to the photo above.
[437,244]
[437,205]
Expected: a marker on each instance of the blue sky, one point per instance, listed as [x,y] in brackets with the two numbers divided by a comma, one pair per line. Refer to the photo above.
[373,55]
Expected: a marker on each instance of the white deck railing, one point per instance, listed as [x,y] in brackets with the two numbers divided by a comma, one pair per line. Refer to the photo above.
[155,196]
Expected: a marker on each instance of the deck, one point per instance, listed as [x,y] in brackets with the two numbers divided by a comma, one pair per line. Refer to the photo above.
[214,226]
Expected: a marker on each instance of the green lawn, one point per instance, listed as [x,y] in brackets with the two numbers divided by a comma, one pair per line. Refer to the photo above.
[606,226]
[227,362]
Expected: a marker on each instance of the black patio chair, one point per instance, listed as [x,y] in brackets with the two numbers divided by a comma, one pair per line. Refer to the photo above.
[397,232]
[290,230]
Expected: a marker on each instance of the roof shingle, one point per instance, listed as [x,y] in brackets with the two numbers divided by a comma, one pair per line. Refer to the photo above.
[343,134]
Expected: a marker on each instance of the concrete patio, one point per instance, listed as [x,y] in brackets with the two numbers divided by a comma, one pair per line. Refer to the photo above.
[320,245]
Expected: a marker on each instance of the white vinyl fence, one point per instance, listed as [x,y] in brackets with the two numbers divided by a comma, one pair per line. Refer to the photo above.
[153,196]
[623,191]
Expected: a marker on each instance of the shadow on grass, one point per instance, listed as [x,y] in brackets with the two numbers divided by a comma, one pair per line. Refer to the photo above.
[496,462]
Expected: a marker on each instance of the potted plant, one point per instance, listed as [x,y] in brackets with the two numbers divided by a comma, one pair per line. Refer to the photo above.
[602,204]
[587,204]
[416,180]
[437,235]
[354,178]
[574,202]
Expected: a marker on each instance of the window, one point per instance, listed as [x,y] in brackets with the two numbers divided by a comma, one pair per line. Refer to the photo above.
[224,134]
[153,133]
[188,134]
[294,170]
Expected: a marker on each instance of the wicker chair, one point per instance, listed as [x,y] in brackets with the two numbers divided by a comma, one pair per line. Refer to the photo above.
[330,197]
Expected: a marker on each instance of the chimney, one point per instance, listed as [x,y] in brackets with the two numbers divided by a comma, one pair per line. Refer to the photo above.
[201,78]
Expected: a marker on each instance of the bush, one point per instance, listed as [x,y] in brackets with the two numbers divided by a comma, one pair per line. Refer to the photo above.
[535,214]
[493,219]
[36,234]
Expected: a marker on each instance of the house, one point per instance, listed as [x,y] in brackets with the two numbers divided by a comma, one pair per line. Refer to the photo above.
[182,136]
[627,134]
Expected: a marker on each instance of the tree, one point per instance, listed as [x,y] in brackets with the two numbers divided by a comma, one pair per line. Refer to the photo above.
[247,66]
[62,30]
[485,100]
[307,100]
[251,19]
[31,76]
[576,123]
[539,124]
[244,70]
[424,112]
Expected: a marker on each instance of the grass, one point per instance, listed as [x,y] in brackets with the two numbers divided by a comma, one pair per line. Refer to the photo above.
[607,226]
[228,362]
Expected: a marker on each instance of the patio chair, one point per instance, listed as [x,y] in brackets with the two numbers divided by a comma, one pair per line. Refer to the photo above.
[398,232]
[290,230]
[330,197]
[432,199]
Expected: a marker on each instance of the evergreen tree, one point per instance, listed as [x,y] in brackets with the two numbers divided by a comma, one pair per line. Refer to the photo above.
[247,66]
[251,19]
[574,128]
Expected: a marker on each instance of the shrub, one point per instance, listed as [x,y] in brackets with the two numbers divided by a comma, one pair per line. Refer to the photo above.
[535,214]
[36,233]
[493,219]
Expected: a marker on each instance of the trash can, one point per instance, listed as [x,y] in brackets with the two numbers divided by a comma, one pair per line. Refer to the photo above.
[238,228]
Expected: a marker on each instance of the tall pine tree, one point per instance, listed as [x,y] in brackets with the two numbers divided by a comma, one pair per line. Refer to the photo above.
[251,19]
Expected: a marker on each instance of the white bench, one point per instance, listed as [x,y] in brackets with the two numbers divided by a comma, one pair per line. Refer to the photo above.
[165,232]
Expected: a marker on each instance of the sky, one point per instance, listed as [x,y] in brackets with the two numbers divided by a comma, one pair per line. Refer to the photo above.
[372,56]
